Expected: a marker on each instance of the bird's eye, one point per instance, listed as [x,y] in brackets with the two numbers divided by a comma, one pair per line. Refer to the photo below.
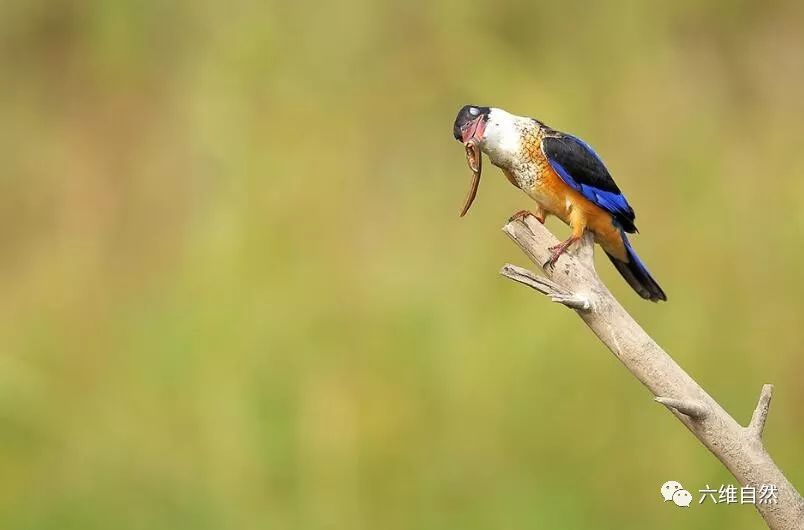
[474,111]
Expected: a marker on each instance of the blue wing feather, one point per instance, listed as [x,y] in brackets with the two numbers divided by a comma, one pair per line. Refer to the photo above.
[613,202]
[563,173]
[580,168]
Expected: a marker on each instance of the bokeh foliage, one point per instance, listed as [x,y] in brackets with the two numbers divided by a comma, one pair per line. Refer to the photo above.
[237,294]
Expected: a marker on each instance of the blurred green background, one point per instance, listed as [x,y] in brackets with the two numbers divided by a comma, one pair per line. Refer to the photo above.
[236,292]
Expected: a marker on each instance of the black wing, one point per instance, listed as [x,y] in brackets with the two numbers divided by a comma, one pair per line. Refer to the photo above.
[580,167]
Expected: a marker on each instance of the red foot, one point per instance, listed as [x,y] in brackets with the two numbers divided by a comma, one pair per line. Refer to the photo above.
[557,251]
[521,214]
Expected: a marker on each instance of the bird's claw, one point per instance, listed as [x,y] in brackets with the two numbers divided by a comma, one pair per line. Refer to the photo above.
[556,251]
[521,214]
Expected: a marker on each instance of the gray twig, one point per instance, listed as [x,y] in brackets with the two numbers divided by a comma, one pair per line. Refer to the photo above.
[760,415]
[546,287]
[689,407]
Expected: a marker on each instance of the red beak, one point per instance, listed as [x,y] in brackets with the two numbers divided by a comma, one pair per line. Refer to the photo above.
[474,130]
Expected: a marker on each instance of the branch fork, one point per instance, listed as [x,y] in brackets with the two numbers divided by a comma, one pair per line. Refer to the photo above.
[547,287]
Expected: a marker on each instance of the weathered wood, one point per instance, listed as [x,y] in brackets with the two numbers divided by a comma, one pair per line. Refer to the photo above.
[574,283]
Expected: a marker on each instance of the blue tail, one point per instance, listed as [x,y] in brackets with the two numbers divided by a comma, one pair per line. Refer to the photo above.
[637,275]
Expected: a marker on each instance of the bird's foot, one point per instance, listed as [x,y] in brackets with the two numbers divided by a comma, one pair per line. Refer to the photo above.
[557,251]
[521,214]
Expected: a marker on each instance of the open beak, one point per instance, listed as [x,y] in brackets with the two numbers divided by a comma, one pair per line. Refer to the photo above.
[473,130]
[472,135]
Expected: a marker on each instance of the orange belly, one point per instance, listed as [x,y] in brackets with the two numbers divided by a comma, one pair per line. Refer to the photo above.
[555,197]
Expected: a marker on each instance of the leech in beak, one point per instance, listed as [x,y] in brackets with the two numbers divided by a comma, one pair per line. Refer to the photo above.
[475,161]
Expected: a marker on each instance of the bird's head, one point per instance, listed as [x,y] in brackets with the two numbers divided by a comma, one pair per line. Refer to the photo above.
[498,133]
[470,124]
[494,132]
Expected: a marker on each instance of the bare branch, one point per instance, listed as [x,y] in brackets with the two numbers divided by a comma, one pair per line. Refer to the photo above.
[546,287]
[691,408]
[574,282]
[760,415]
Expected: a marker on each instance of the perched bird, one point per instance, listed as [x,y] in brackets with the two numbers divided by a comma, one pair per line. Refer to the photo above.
[564,176]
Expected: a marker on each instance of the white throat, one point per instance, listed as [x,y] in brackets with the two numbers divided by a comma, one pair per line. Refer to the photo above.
[502,140]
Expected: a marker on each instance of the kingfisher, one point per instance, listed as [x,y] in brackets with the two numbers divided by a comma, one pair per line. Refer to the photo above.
[565,177]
